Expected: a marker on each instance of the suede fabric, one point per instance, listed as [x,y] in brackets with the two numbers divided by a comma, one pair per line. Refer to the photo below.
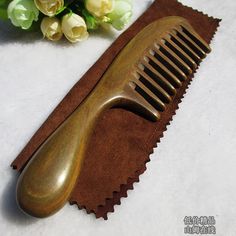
[122,141]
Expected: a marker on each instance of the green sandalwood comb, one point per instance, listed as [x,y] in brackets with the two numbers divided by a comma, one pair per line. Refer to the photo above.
[144,77]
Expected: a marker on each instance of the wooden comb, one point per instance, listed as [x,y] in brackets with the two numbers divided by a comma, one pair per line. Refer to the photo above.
[144,78]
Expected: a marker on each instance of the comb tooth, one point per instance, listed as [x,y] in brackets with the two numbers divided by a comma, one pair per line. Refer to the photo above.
[156,89]
[149,95]
[141,103]
[175,58]
[169,64]
[158,78]
[185,47]
[168,74]
[174,47]
[191,43]
[197,39]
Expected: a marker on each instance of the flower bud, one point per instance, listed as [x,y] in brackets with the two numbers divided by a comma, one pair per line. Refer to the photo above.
[99,8]
[49,7]
[22,13]
[121,14]
[74,27]
[51,28]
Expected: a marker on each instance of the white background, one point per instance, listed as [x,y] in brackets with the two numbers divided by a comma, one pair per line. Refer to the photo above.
[193,170]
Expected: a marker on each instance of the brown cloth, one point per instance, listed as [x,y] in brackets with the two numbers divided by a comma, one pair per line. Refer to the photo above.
[122,141]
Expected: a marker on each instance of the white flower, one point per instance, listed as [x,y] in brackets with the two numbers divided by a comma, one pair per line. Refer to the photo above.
[49,7]
[74,27]
[121,14]
[22,13]
[51,28]
[99,8]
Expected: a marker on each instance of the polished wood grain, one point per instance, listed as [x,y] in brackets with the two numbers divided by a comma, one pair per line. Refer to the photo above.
[144,77]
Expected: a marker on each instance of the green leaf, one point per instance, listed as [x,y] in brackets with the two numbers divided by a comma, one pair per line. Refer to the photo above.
[3,14]
[60,10]
[3,9]
[4,2]
[91,22]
